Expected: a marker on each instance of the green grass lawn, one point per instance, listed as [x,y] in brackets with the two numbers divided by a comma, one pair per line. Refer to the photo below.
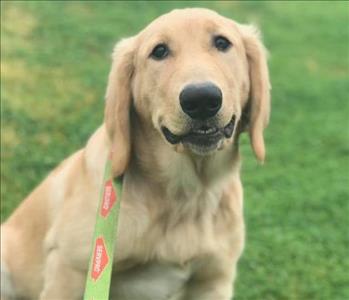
[55,57]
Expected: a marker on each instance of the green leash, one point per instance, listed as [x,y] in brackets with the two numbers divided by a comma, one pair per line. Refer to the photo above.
[105,235]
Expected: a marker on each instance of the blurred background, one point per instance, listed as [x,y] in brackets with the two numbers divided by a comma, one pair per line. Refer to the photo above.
[55,58]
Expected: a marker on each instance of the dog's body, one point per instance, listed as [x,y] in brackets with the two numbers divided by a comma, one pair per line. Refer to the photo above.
[181,227]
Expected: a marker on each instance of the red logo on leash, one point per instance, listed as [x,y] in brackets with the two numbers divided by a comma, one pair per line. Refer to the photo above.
[100,258]
[109,198]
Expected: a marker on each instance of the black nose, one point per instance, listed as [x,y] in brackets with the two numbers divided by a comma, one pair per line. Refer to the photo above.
[201,101]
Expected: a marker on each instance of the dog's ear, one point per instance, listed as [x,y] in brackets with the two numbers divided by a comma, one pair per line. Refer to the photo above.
[118,102]
[258,107]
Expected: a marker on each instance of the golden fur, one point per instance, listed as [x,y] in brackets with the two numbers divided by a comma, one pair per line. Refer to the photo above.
[181,227]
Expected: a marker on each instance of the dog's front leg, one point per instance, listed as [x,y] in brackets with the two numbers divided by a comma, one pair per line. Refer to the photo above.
[212,282]
[219,289]
[61,281]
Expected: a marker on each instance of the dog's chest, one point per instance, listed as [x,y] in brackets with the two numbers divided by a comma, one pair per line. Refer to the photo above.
[169,254]
[175,238]
[151,281]
[168,241]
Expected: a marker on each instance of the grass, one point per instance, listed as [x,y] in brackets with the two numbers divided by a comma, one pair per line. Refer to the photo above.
[54,64]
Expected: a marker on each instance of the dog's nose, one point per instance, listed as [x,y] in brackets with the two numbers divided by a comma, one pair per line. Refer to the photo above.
[201,101]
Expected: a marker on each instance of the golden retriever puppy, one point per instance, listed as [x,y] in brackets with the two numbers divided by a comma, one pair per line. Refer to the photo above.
[179,94]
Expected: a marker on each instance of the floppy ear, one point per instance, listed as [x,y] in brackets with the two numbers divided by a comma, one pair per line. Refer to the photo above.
[259,103]
[118,101]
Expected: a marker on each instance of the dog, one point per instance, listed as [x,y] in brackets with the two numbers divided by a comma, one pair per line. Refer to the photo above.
[179,95]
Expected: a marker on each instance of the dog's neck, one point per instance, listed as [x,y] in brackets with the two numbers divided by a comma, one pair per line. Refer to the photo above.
[179,176]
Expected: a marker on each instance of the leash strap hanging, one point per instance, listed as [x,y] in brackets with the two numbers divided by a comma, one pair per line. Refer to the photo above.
[104,238]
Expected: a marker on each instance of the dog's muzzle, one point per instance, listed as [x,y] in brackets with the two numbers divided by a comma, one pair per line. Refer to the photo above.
[203,137]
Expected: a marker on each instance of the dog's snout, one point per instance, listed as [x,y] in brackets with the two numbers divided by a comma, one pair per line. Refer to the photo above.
[201,101]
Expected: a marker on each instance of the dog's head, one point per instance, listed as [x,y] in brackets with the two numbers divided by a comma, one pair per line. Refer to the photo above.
[195,77]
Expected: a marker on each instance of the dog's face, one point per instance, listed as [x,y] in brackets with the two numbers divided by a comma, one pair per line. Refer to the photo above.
[191,78]
[190,74]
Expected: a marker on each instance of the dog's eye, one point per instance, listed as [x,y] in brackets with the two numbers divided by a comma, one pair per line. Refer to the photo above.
[221,43]
[160,52]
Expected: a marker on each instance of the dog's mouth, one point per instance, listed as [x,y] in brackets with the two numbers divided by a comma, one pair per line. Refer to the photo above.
[201,139]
